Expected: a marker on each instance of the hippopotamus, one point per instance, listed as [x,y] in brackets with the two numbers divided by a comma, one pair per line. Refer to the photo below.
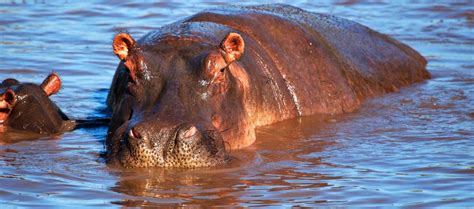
[187,93]
[27,107]
[27,112]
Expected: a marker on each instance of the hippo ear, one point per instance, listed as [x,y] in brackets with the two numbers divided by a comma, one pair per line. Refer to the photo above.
[122,45]
[51,84]
[233,46]
[9,82]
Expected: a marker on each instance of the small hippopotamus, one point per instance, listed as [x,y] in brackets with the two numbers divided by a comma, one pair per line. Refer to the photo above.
[185,94]
[27,107]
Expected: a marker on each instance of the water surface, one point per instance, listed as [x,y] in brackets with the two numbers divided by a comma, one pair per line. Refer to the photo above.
[410,148]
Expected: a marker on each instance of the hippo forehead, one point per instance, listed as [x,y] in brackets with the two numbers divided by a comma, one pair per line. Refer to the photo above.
[178,49]
[206,33]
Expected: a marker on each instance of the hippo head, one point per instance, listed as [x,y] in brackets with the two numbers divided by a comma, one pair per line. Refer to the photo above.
[26,106]
[176,101]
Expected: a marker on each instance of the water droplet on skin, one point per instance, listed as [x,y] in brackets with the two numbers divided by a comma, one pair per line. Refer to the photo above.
[204,96]
[203,82]
[291,89]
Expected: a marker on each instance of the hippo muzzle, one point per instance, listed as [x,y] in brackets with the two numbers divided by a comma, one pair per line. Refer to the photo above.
[151,145]
[7,101]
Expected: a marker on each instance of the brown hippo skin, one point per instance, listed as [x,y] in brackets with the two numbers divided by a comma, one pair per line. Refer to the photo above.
[27,107]
[188,91]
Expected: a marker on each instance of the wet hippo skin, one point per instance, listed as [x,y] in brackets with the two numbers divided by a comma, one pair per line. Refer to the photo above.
[27,107]
[184,94]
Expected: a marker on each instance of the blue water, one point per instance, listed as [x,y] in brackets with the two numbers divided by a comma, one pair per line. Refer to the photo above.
[411,148]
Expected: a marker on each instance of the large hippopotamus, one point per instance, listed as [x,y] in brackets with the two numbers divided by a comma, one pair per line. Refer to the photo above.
[185,94]
[27,107]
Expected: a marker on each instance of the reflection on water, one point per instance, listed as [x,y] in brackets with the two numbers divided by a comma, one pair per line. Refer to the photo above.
[411,148]
[8,135]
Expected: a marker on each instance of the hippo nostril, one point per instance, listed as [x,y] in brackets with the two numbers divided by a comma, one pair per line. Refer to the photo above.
[134,133]
[191,131]
[9,96]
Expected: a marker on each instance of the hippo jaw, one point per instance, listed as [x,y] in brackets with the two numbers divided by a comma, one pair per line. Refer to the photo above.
[7,101]
[183,147]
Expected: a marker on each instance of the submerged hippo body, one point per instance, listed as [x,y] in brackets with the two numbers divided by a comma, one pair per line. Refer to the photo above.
[185,93]
[27,107]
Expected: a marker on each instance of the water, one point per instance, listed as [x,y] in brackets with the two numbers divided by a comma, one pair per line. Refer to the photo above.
[411,148]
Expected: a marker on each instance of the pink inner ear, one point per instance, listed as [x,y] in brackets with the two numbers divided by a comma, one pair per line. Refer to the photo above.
[52,84]
[121,51]
[233,45]
[122,44]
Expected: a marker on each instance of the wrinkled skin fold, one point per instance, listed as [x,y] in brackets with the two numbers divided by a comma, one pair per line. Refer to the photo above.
[185,94]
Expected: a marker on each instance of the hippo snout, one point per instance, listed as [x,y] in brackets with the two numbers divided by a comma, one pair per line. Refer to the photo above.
[184,145]
[7,101]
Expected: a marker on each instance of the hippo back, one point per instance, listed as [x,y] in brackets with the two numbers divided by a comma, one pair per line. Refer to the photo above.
[317,63]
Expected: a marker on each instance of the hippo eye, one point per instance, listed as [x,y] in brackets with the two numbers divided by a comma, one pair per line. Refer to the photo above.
[214,65]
